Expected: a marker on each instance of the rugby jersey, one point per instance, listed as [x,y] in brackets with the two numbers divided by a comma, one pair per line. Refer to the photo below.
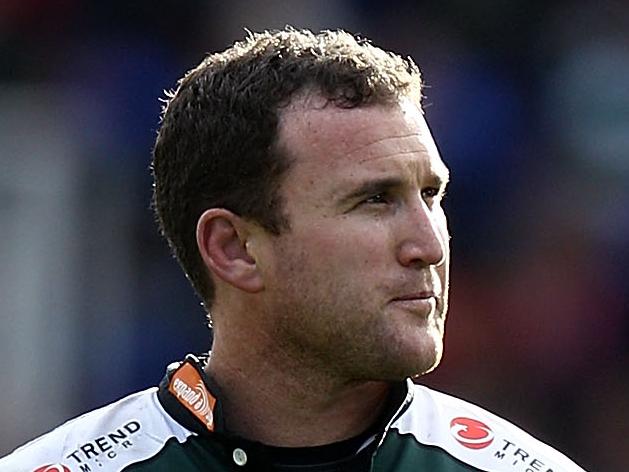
[178,426]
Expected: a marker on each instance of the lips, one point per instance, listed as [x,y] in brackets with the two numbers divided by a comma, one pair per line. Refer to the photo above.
[419,303]
[416,296]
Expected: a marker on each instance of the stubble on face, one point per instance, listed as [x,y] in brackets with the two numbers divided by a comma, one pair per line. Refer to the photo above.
[331,277]
[345,330]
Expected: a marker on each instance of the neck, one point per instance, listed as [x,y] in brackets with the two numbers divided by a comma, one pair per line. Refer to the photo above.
[267,398]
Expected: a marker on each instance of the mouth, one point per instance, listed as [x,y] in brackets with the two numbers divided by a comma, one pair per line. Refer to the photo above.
[425,295]
[422,303]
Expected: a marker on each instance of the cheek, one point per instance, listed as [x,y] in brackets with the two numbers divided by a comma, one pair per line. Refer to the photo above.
[343,250]
[332,255]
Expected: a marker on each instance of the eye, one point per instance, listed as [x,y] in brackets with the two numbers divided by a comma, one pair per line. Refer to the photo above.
[430,192]
[377,199]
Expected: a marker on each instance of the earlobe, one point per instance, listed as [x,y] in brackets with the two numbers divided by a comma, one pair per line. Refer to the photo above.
[222,242]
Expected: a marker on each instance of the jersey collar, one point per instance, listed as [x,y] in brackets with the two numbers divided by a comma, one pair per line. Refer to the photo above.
[190,396]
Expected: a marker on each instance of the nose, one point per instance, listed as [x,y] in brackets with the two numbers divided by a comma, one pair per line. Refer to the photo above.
[424,237]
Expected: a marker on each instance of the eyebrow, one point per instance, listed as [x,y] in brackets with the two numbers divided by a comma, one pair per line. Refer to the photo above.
[385,184]
[372,187]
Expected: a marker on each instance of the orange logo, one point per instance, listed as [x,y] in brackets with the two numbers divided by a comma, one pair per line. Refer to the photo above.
[187,385]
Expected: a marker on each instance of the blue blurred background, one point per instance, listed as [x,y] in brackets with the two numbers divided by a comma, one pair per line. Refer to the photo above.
[528,101]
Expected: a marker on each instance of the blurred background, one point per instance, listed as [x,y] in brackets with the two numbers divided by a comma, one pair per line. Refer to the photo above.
[529,104]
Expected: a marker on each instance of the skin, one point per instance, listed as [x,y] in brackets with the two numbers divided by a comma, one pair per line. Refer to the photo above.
[312,326]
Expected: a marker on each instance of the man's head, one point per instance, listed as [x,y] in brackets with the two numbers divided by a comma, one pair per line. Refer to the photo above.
[217,145]
[300,188]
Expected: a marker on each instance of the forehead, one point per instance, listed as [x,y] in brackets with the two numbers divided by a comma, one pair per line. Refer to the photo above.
[335,141]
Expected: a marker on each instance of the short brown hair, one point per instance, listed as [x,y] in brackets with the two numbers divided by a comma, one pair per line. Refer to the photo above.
[216,146]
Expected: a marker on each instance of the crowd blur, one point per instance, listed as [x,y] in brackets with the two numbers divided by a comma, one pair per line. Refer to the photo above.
[529,104]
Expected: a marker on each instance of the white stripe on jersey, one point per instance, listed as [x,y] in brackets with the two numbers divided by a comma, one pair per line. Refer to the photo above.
[475,436]
[130,430]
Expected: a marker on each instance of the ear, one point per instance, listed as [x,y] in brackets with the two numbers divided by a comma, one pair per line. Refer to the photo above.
[222,242]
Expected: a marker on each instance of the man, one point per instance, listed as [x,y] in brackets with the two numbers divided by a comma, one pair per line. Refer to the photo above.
[300,189]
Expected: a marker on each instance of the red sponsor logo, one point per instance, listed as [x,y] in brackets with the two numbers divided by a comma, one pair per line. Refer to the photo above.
[471,433]
[52,468]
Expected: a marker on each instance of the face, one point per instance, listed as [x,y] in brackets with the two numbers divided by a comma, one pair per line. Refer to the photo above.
[358,285]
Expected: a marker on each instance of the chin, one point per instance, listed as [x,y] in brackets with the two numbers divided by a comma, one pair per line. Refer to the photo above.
[427,359]
[417,349]
[425,369]
[429,369]
[414,364]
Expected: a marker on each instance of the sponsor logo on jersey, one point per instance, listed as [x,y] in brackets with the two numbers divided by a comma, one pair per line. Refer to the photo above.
[520,459]
[471,433]
[187,385]
[475,434]
[52,468]
[91,455]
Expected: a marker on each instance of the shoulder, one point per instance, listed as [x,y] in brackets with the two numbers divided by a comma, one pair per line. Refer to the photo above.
[475,436]
[130,430]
